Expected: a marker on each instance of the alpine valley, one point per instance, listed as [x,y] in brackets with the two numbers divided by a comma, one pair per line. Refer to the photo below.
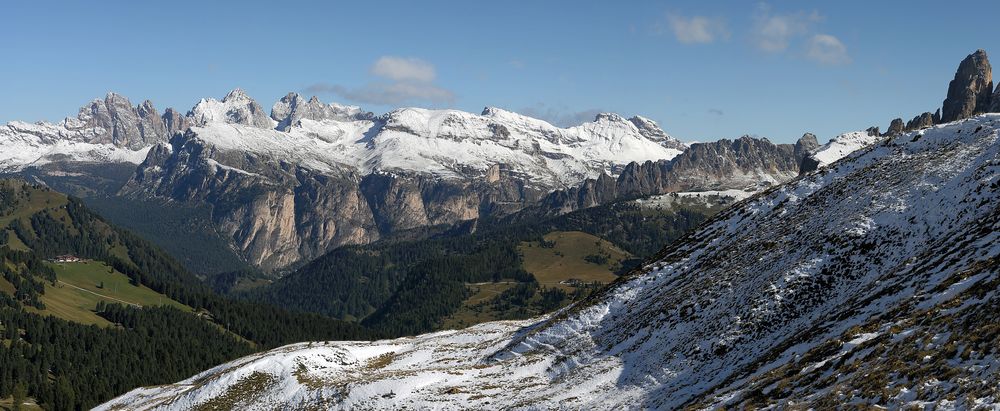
[870,281]
[273,192]
[316,255]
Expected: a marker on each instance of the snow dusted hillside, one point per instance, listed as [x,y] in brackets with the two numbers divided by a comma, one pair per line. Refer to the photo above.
[844,144]
[839,147]
[872,281]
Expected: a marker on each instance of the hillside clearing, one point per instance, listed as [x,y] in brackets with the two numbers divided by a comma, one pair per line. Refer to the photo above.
[564,257]
[81,286]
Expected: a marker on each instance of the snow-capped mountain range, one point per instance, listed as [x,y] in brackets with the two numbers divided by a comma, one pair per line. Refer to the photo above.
[442,143]
[326,137]
[871,282]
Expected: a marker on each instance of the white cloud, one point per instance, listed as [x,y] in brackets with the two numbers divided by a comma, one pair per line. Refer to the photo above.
[827,49]
[403,81]
[774,32]
[403,69]
[697,29]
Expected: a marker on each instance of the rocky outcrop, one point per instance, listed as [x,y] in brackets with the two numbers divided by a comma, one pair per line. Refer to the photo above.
[175,122]
[971,90]
[872,131]
[114,120]
[921,122]
[292,108]
[896,127]
[807,144]
[150,122]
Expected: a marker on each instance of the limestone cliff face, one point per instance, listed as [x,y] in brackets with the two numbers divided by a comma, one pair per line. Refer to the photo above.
[743,163]
[277,214]
[274,214]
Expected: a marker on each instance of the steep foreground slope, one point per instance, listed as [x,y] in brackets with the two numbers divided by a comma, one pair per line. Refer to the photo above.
[872,281]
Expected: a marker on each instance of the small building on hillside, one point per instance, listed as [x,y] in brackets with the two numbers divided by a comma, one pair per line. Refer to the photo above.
[67,258]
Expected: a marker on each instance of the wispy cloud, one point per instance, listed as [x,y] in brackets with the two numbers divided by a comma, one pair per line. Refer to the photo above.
[402,80]
[773,32]
[697,29]
[716,111]
[403,69]
[827,49]
[560,116]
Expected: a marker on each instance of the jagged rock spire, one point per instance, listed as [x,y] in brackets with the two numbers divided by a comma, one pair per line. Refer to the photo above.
[971,90]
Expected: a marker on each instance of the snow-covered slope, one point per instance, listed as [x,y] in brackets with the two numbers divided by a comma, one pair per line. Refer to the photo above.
[33,144]
[872,281]
[842,145]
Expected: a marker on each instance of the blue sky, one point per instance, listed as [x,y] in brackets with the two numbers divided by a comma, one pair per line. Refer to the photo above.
[703,70]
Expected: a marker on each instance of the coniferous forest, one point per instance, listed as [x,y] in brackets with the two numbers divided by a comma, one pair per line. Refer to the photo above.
[66,365]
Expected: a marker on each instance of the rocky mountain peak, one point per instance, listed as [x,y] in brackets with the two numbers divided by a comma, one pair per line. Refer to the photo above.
[293,107]
[114,120]
[489,111]
[237,94]
[146,108]
[971,90]
[113,98]
[807,140]
[236,108]
[609,117]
